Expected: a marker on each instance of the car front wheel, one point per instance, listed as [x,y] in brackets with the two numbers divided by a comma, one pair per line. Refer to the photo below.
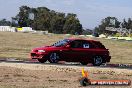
[97,60]
[54,57]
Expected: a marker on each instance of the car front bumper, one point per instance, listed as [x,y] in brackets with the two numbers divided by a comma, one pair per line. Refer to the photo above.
[34,55]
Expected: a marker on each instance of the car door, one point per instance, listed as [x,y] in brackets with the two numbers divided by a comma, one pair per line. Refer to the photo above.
[76,50]
[87,50]
[72,53]
[79,50]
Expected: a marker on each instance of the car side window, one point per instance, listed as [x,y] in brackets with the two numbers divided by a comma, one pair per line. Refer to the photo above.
[81,44]
[76,44]
[87,44]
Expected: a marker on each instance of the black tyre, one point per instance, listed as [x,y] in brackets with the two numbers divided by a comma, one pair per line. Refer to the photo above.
[97,60]
[84,63]
[85,82]
[42,60]
[54,57]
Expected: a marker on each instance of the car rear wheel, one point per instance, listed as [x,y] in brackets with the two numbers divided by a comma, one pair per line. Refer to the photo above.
[42,60]
[54,57]
[97,60]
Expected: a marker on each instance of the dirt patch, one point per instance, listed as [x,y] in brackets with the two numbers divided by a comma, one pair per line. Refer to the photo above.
[23,78]
[18,75]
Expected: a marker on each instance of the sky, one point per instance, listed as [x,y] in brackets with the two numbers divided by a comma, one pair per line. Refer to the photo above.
[89,12]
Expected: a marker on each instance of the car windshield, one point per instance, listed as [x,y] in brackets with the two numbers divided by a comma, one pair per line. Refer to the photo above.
[61,43]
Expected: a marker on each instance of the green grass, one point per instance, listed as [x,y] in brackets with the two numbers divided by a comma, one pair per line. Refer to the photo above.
[121,51]
[19,45]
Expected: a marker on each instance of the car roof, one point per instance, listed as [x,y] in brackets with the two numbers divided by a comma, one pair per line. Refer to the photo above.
[80,39]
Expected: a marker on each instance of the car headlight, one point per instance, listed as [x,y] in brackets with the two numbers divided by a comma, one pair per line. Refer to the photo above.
[41,50]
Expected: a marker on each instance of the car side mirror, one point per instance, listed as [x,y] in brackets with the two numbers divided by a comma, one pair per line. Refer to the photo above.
[68,46]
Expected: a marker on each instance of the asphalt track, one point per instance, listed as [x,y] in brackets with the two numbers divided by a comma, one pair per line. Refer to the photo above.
[119,66]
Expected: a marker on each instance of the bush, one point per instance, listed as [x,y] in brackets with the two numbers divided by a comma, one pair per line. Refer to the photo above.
[117,35]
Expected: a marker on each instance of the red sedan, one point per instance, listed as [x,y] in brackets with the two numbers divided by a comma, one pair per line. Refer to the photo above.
[73,50]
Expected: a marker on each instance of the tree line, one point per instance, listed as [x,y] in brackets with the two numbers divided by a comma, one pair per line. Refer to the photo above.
[42,18]
[112,22]
[4,22]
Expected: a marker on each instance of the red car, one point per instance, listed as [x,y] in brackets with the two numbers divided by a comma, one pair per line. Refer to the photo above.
[73,50]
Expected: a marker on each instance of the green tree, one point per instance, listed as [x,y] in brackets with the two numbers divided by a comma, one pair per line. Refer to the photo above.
[23,16]
[4,22]
[127,24]
[46,19]
[107,22]
[124,24]
[14,22]
[57,22]
[72,24]
[42,19]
